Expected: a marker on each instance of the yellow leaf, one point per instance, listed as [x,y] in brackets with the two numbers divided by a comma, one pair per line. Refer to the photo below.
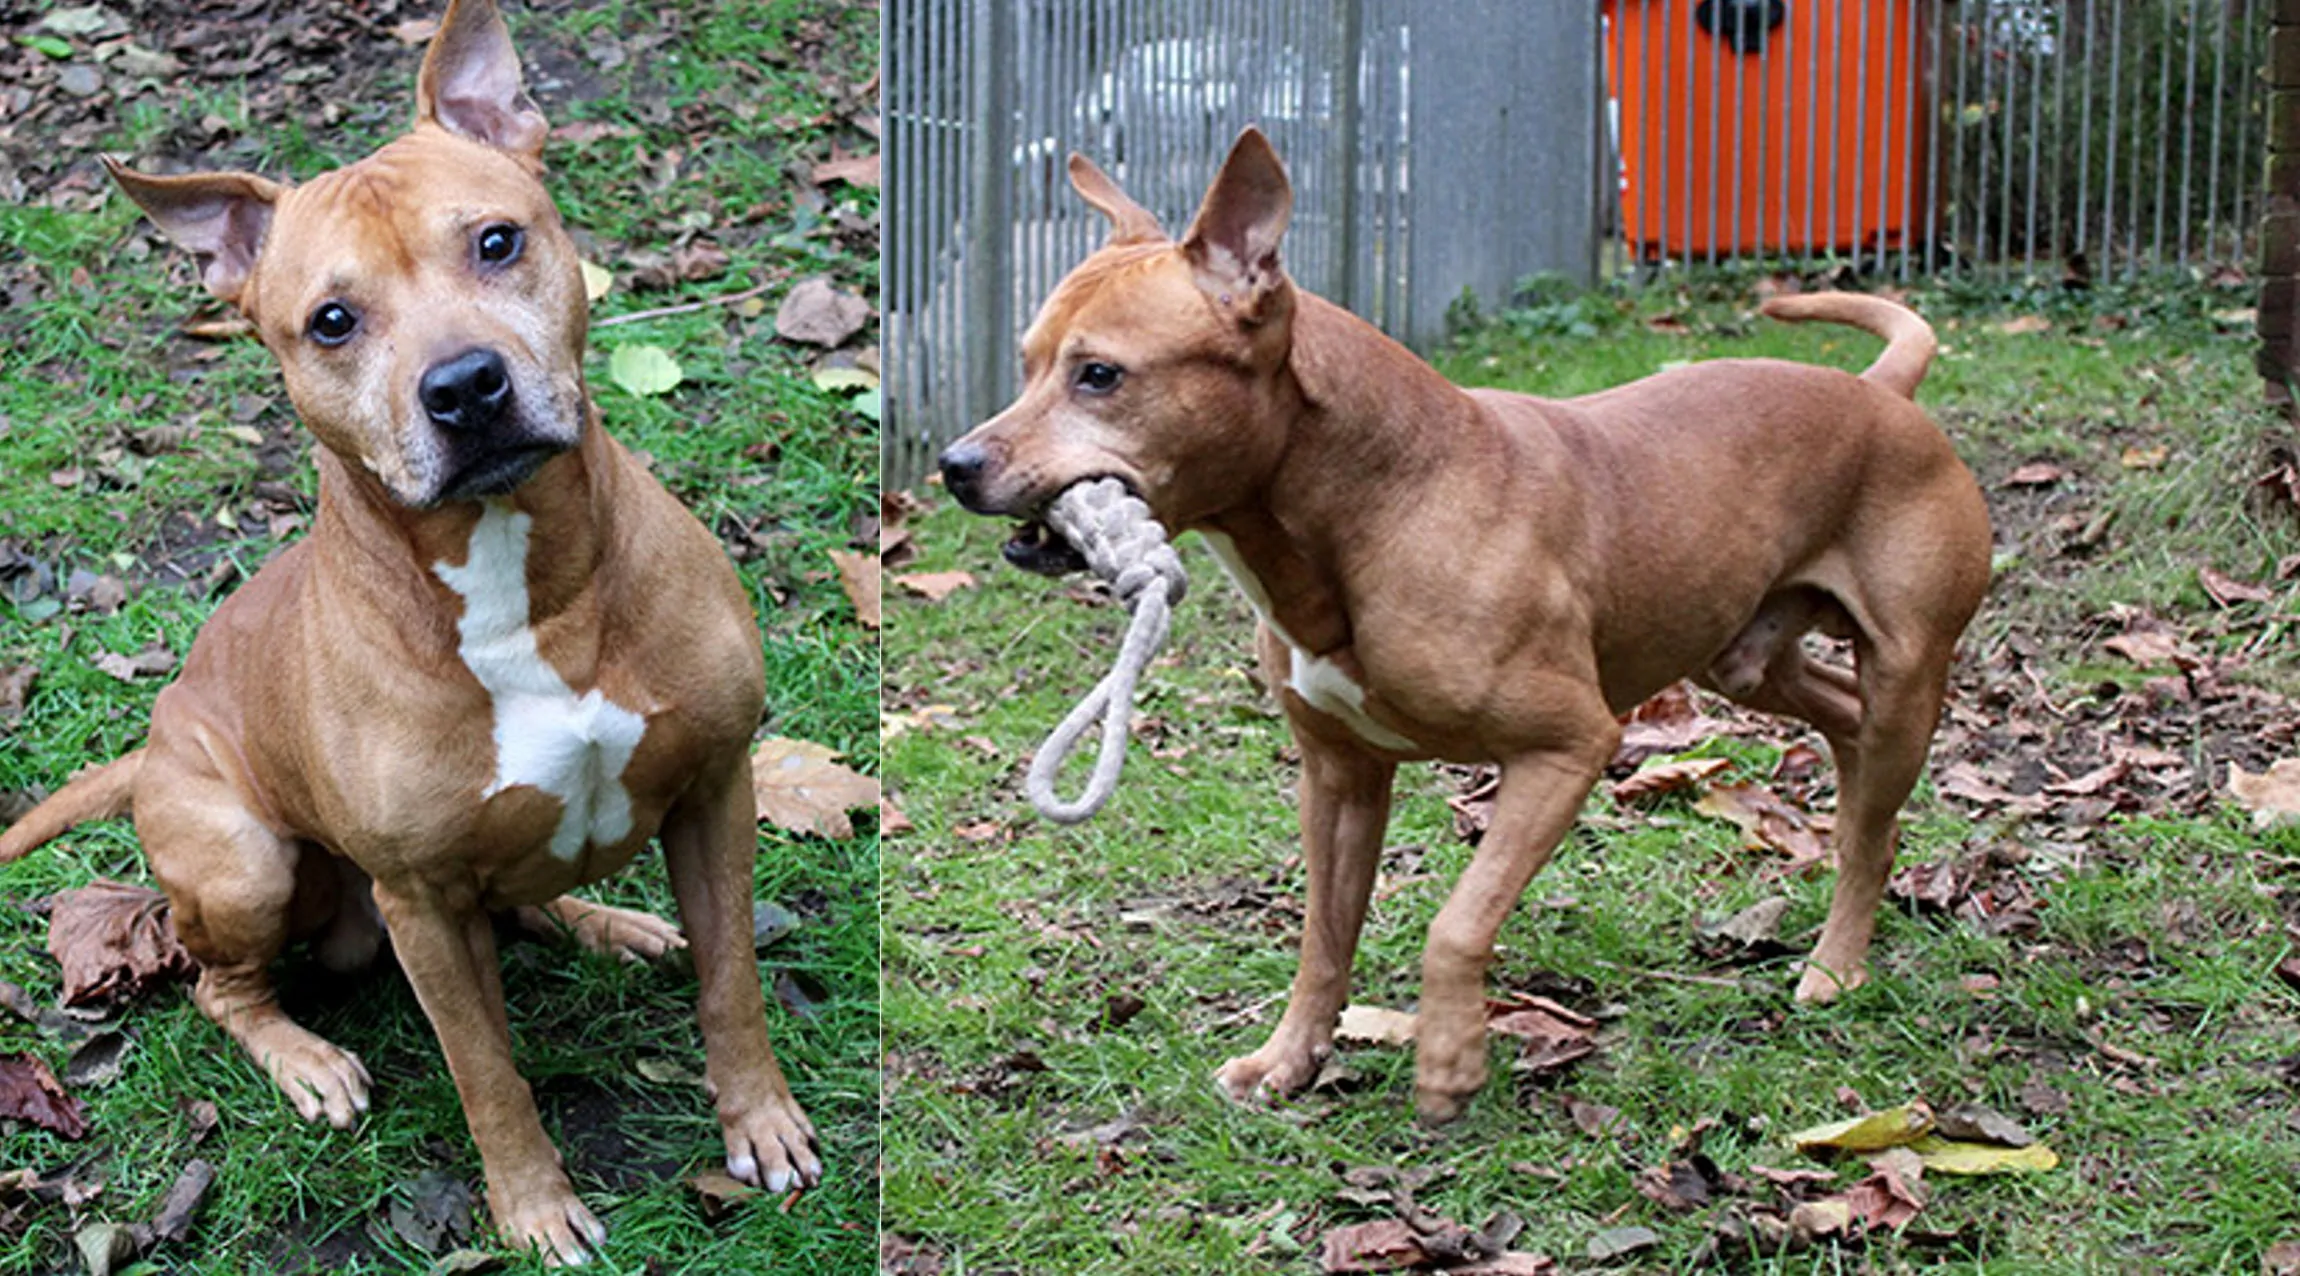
[1893,1127]
[1376,1024]
[597,279]
[835,379]
[802,789]
[1946,1156]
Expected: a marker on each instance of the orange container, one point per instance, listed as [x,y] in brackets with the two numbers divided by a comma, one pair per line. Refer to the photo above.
[1813,142]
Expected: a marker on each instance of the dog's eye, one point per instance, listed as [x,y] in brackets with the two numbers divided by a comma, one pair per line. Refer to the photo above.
[500,243]
[332,324]
[1098,378]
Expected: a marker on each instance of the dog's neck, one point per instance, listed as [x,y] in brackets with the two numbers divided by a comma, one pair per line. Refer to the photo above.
[1369,406]
[390,554]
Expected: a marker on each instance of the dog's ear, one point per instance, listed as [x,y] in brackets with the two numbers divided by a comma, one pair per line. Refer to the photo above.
[470,82]
[1130,223]
[219,218]
[1233,242]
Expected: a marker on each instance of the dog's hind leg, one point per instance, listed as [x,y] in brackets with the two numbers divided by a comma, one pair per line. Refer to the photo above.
[231,885]
[1900,694]
[1542,790]
[1345,796]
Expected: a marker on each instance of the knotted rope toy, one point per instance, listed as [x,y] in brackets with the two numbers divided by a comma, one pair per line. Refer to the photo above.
[1111,528]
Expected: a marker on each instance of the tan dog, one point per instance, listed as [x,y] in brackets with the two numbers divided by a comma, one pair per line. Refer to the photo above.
[409,717]
[1483,576]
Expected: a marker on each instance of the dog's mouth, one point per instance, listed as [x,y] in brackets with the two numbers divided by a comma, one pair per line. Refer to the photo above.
[1036,547]
[499,473]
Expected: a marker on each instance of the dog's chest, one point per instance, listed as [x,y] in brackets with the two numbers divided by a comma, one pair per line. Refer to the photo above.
[1320,682]
[572,747]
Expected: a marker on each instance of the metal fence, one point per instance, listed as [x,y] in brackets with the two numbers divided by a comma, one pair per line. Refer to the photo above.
[1416,137]
[1916,136]
[1438,148]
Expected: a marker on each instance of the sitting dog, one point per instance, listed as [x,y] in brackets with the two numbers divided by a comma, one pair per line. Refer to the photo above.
[504,659]
[1480,576]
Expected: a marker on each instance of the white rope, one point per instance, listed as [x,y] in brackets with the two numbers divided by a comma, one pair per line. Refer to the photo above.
[1113,530]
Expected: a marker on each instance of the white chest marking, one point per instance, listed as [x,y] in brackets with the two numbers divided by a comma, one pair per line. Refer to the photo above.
[571,747]
[1318,681]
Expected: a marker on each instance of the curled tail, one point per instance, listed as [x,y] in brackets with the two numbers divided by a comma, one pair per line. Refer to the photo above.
[1908,339]
[100,794]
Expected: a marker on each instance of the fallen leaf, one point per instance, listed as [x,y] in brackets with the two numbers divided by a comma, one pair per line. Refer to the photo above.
[1656,778]
[1375,1025]
[179,1208]
[935,586]
[2228,591]
[2273,796]
[1893,1127]
[1948,1156]
[2023,325]
[644,370]
[817,314]
[891,820]
[15,688]
[432,1211]
[105,1248]
[837,379]
[1383,1245]
[857,170]
[1754,930]
[1972,1123]
[114,942]
[2036,474]
[2149,648]
[1614,1242]
[415,30]
[1554,1036]
[859,577]
[802,789]
[96,1062]
[2143,458]
[29,1092]
[1768,822]
[597,280]
[1894,1194]
[719,1193]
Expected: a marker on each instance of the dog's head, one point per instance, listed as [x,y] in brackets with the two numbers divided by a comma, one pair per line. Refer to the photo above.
[1162,363]
[425,304]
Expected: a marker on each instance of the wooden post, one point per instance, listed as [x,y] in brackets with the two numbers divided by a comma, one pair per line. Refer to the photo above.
[2279,357]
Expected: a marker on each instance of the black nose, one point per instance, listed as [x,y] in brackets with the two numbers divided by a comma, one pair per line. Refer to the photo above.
[468,392]
[962,465]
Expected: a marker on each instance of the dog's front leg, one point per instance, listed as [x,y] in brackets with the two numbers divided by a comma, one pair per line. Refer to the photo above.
[1540,795]
[447,949]
[710,841]
[1345,795]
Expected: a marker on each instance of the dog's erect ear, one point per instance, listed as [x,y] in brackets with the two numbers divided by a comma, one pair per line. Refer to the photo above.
[1130,223]
[219,218]
[470,82]
[1233,242]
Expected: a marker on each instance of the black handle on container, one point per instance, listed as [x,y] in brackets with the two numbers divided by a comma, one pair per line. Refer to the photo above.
[1743,25]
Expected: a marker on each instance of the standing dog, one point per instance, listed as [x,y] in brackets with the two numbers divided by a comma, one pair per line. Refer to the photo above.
[502,661]
[1482,576]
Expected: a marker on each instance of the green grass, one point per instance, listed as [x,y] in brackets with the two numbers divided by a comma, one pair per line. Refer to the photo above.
[1005,937]
[96,360]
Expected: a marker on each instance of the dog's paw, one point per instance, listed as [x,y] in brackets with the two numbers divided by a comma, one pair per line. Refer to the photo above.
[552,1220]
[1272,1072]
[772,1145]
[623,933]
[323,1081]
[1446,1080]
[1820,985]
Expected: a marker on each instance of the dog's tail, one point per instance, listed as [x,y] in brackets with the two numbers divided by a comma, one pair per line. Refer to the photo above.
[1909,340]
[100,794]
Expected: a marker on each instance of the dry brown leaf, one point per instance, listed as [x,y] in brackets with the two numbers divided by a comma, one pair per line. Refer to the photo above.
[817,314]
[2144,458]
[2023,325]
[894,543]
[2228,591]
[1655,779]
[15,689]
[802,789]
[151,661]
[1769,822]
[1384,1245]
[859,577]
[1376,1025]
[2035,474]
[2273,796]
[115,942]
[891,820]
[857,170]
[2149,647]
[935,586]
[30,1092]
